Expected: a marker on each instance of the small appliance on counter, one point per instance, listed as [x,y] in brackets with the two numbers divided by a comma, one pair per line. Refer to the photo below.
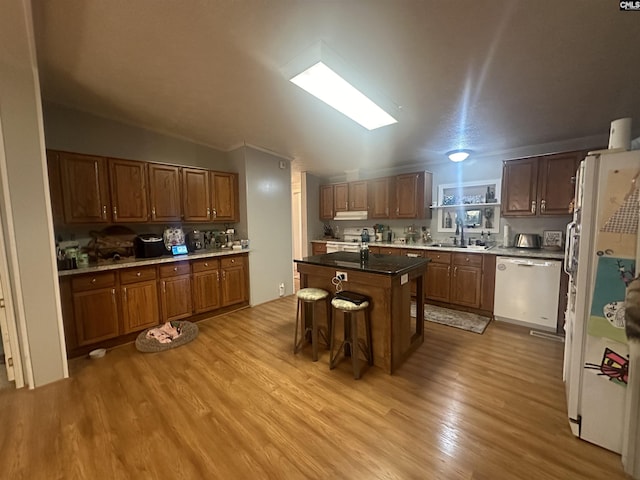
[527,240]
[195,240]
[149,245]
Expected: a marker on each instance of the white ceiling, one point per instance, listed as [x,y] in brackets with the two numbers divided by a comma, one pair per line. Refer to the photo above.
[489,75]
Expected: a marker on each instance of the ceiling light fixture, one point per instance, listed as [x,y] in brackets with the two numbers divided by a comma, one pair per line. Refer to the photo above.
[323,81]
[458,155]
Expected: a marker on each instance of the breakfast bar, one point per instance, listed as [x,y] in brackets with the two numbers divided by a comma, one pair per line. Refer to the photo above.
[387,281]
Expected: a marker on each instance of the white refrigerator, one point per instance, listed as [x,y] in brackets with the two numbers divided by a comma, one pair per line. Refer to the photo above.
[600,257]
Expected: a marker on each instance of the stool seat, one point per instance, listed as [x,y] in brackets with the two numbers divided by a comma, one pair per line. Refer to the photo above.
[312,294]
[342,304]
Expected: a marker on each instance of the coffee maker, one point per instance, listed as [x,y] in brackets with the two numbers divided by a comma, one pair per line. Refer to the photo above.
[195,240]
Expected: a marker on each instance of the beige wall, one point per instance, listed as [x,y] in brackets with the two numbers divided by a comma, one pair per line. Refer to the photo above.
[32,271]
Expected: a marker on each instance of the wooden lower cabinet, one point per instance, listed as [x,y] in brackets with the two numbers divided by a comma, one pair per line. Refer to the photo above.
[139,294]
[108,308]
[461,279]
[95,307]
[175,291]
[206,285]
[318,248]
[234,283]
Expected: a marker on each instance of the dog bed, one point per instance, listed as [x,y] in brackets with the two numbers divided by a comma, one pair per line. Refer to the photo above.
[187,332]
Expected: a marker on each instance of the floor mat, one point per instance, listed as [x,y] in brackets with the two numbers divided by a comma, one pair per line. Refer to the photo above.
[453,318]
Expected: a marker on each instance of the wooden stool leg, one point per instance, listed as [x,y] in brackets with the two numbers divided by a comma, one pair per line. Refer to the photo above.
[367,319]
[295,334]
[314,333]
[354,346]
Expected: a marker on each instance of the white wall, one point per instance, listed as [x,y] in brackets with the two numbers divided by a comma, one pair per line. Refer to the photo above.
[268,197]
[32,270]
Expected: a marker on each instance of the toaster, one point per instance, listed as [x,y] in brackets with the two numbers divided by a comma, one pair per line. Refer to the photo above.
[149,246]
[527,240]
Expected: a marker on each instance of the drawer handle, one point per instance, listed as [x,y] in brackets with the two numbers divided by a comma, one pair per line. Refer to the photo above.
[466,259]
[93,280]
[175,269]
[206,264]
[233,260]
[138,274]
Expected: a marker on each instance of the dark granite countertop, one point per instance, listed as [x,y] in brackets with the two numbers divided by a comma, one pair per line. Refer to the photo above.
[377,263]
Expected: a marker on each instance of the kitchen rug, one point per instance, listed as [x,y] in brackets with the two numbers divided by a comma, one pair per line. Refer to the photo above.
[453,318]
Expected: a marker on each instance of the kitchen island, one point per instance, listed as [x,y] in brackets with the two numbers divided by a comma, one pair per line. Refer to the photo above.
[387,281]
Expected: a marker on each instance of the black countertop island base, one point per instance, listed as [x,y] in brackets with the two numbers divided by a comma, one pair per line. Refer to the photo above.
[389,282]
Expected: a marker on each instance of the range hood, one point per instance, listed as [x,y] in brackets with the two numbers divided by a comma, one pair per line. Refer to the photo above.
[352,215]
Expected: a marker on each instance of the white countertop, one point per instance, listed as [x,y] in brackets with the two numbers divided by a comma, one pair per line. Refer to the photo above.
[496,250]
[139,262]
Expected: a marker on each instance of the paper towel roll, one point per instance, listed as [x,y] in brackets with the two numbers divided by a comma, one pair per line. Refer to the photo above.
[506,241]
[620,134]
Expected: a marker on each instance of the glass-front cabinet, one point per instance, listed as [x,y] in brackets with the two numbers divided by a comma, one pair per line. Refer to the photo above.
[474,205]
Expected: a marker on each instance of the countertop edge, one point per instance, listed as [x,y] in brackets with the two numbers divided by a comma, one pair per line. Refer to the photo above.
[150,261]
[497,250]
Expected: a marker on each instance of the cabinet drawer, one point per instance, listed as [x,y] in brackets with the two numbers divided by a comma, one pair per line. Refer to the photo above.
[91,282]
[132,275]
[205,265]
[231,262]
[412,252]
[175,269]
[390,251]
[439,257]
[474,260]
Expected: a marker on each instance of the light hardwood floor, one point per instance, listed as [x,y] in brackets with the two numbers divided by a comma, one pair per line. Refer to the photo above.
[237,404]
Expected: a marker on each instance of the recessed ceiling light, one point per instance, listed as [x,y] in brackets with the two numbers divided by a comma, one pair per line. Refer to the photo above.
[458,155]
[319,76]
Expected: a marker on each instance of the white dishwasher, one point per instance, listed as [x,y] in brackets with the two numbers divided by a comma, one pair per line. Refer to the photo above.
[527,291]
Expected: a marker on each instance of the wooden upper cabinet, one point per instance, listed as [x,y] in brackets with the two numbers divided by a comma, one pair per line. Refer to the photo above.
[358,195]
[520,187]
[224,191]
[557,182]
[326,202]
[379,191]
[55,187]
[196,198]
[539,186]
[413,190]
[128,180]
[341,197]
[85,188]
[164,192]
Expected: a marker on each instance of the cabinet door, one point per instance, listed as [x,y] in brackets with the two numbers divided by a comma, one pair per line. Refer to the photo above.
[409,195]
[128,181]
[140,306]
[55,187]
[326,202]
[557,183]
[466,285]
[488,282]
[234,288]
[196,199]
[341,197]
[438,282]
[379,191]
[358,196]
[96,315]
[224,189]
[519,187]
[176,298]
[206,290]
[164,192]
[85,187]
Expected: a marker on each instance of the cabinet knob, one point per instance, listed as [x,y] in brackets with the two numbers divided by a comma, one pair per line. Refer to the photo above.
[466,259]
[233,260]
[206,264]
[104,211]
[153,212]
[208,212]
[175,269]
[138,274]
[115,212]
[93,280]
[533,207]
[215,213]
[543,206]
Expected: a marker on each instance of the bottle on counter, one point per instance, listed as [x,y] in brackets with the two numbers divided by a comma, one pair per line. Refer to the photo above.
[364,253]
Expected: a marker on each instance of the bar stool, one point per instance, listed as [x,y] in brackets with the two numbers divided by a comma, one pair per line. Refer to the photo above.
[351,342]
[307,299]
